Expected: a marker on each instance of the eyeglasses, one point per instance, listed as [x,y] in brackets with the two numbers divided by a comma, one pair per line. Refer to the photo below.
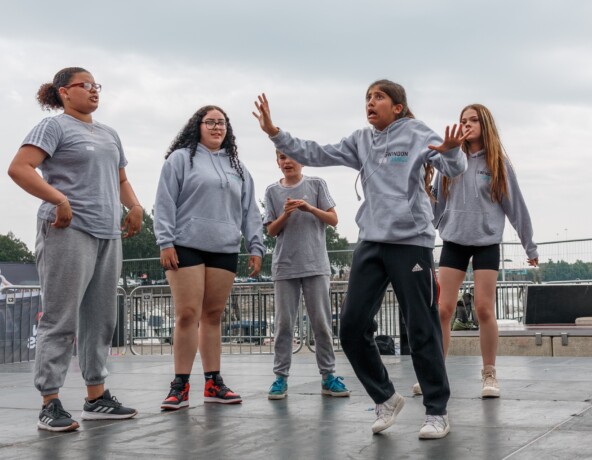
[86,85]
[211,124]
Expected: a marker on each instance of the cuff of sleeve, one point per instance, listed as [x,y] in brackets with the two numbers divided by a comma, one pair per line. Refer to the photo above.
[166,245]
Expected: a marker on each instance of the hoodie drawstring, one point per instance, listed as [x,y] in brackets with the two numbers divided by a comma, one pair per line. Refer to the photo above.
[222,178]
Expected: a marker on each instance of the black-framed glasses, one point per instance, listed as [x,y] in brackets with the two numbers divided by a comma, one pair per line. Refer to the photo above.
[211,124]
[86,85]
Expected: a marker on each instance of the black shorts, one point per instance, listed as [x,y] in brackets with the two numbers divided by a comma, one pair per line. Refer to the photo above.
[458,256]
[189,257]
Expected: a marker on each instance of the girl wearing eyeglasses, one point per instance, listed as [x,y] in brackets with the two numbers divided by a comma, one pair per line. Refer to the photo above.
[204,202]
[396,242]
[78,244]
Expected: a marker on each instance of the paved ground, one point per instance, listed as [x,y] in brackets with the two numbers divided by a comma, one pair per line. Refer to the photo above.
[545,413]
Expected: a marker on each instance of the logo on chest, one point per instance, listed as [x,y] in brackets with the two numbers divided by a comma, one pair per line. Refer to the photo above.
[396,157]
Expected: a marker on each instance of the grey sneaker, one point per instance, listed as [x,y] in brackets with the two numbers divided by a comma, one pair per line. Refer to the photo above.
[416,390]
[386,413]
[434,427]
[491,387]
[53,417]
[106,408]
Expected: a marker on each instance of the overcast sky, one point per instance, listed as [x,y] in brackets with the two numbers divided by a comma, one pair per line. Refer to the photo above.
[529,61]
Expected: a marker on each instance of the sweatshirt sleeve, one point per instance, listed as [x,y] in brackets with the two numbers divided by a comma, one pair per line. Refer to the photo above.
[310,153]
[514,207]
[165,206]
[252,226]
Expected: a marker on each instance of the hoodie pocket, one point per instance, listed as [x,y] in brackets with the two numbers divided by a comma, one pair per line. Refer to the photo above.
[386,218]
[209,235]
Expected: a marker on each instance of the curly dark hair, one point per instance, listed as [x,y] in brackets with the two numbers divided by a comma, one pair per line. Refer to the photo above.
[190,136]
[48,94]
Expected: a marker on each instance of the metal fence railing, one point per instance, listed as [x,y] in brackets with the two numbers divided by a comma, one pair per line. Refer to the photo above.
[146,310]
[20,307]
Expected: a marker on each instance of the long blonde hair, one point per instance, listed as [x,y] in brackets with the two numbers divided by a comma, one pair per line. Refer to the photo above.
[495,154]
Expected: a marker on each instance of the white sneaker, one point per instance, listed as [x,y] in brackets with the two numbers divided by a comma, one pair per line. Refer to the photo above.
[416,390]
[386,413]
[491,387]
[434,427]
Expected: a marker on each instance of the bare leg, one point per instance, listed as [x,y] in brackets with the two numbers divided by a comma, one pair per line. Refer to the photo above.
[187,286]
[450,280]
[218,284]
[485,283]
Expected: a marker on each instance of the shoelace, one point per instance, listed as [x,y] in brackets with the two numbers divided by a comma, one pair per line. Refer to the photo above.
[57,411]
[278,385]
[112,402]
[489,379]
[176,390]
[336,384]
[436,421]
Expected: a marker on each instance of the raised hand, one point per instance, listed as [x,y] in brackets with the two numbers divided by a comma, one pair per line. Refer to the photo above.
[452,139]
[264,116]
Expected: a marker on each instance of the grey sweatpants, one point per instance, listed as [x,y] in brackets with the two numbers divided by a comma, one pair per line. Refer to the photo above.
[78,275]
[318,307]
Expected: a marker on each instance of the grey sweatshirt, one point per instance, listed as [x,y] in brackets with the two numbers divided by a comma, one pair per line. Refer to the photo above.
[206,206]
[396,208]
[469,217]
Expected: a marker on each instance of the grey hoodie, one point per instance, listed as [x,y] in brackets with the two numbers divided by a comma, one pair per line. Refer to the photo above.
[396,208]
[469,217]
[206,206]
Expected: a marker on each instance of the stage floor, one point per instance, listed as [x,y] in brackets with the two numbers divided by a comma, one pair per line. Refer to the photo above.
[545,412]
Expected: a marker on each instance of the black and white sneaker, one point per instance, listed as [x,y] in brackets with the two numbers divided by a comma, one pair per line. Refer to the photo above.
[106,408]
[53,417]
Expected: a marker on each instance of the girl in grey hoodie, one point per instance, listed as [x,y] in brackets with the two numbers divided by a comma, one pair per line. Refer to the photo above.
[205,200]
[470,214]
[396,242]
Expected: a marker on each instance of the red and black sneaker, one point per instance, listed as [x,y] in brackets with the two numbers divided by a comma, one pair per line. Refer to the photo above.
[178,397]
[216,392]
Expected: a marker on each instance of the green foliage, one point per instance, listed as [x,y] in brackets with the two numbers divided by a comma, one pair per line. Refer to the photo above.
[14,250]
[563,271]
[143,245]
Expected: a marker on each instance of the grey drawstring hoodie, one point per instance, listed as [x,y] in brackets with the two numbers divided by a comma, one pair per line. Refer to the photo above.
[469,217]
[396,208]
[206,206]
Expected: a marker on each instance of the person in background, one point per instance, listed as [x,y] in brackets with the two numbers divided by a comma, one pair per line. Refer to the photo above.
[78,245]
[397,237]
[205,200]
[297,210]
[470,214]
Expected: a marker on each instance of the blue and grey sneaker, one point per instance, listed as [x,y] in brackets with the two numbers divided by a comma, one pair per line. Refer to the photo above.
[106,408]
[278,389]
[334,386]
[53,417]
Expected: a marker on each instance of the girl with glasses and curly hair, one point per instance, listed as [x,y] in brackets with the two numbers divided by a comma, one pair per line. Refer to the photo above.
[205,200]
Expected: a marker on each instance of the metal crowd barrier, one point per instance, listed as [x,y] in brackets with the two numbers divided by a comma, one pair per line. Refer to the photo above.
[145,319]
[20,307]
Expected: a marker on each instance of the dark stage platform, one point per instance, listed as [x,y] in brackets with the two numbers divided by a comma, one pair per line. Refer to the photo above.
[545,413]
